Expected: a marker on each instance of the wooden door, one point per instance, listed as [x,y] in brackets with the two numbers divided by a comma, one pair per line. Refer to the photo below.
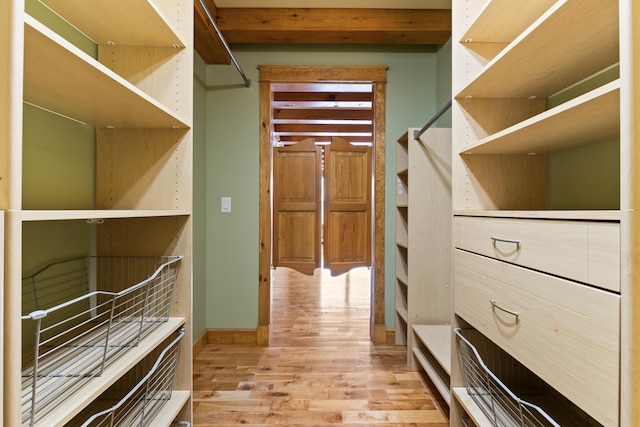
[347,228]
[297,172]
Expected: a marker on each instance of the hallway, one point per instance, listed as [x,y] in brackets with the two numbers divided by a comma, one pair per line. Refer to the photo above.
[320,368]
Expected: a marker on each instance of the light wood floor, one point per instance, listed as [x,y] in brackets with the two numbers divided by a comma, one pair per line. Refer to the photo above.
[320,368]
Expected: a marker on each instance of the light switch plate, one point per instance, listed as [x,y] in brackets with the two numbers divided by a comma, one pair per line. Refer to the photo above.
[225,204]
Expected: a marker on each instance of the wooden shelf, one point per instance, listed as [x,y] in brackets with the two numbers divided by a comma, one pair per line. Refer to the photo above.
[403,280]
[604,215]
[438,382]
[84,396]
[402,236]
[54,215]
[437,339]
[402,277]
[61,78]
[402,243]
[402,155]
[521,15]
[402,313]
[123,22]
[171,409]
[470,407]
[592,117]
[550,66]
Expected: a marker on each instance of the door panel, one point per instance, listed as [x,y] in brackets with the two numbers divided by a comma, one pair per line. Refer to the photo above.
[347,206]
[296,201]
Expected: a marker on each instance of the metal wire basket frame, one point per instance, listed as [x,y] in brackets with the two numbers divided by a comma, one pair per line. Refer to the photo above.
[495,399]
[77,339]
[143,402]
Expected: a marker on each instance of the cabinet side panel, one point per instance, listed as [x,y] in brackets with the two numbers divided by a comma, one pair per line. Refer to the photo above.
[11,68]
[162,72]
[1,302]
[180,17]
[486,116]
[630,206]
[505,182]
[430,228]
[143,169]
[157,236]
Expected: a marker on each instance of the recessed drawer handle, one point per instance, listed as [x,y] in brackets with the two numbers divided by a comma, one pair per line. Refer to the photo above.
[514,313]
[502,239]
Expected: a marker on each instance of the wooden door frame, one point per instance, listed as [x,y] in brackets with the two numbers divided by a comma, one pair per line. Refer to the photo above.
[326,74]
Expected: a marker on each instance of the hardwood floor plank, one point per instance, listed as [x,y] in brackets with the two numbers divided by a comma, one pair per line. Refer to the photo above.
[320,368]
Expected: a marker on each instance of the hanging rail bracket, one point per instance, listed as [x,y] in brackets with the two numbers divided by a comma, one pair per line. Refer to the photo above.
[418,133]
[247,82]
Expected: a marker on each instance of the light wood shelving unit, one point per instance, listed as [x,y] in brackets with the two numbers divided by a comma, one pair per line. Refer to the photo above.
[402,238]
[511,59]
[423,238]
[432,353]
[2,251]
[138,96]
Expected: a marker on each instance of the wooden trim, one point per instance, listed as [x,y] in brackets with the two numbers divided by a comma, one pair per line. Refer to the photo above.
[262,335]
[373,74]
[379,153]
[315,73]
[391,337]
[232,336]
[199,344]
[264,265]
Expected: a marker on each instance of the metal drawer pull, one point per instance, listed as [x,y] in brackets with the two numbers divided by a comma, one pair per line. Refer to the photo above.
[501,239]
[495,305]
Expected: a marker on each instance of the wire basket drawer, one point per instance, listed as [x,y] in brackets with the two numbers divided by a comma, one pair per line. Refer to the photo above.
[122,300]
[142,403]
[497,400]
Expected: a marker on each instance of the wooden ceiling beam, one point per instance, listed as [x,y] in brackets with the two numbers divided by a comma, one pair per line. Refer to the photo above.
[311,134]
[322,96]
[297,138]
[302,105]
[206,41]
[320,87]
[321,122]
[323,114]
[332,128]
[335,26]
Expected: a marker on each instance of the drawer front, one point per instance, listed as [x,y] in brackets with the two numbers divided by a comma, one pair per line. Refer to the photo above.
[566,333]
[586,251]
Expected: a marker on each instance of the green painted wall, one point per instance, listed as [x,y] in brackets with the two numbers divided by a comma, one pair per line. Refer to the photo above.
[444,81]
[587,177]
[233,163]
[200,197]
[58,168]
[45,15]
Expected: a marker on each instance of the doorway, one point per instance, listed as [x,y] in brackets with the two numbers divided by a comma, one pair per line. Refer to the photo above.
[322,205]
[272,75]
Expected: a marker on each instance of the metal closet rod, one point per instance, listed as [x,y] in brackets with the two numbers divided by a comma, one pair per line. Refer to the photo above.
[247,82]
[417,134]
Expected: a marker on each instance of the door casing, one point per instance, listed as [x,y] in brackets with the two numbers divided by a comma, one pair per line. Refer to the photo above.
[364,74]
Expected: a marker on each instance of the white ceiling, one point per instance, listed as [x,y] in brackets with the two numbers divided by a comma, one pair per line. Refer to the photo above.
[360,4]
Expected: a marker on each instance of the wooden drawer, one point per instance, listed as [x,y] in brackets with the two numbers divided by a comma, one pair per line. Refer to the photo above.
[586,251]
[565,332]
